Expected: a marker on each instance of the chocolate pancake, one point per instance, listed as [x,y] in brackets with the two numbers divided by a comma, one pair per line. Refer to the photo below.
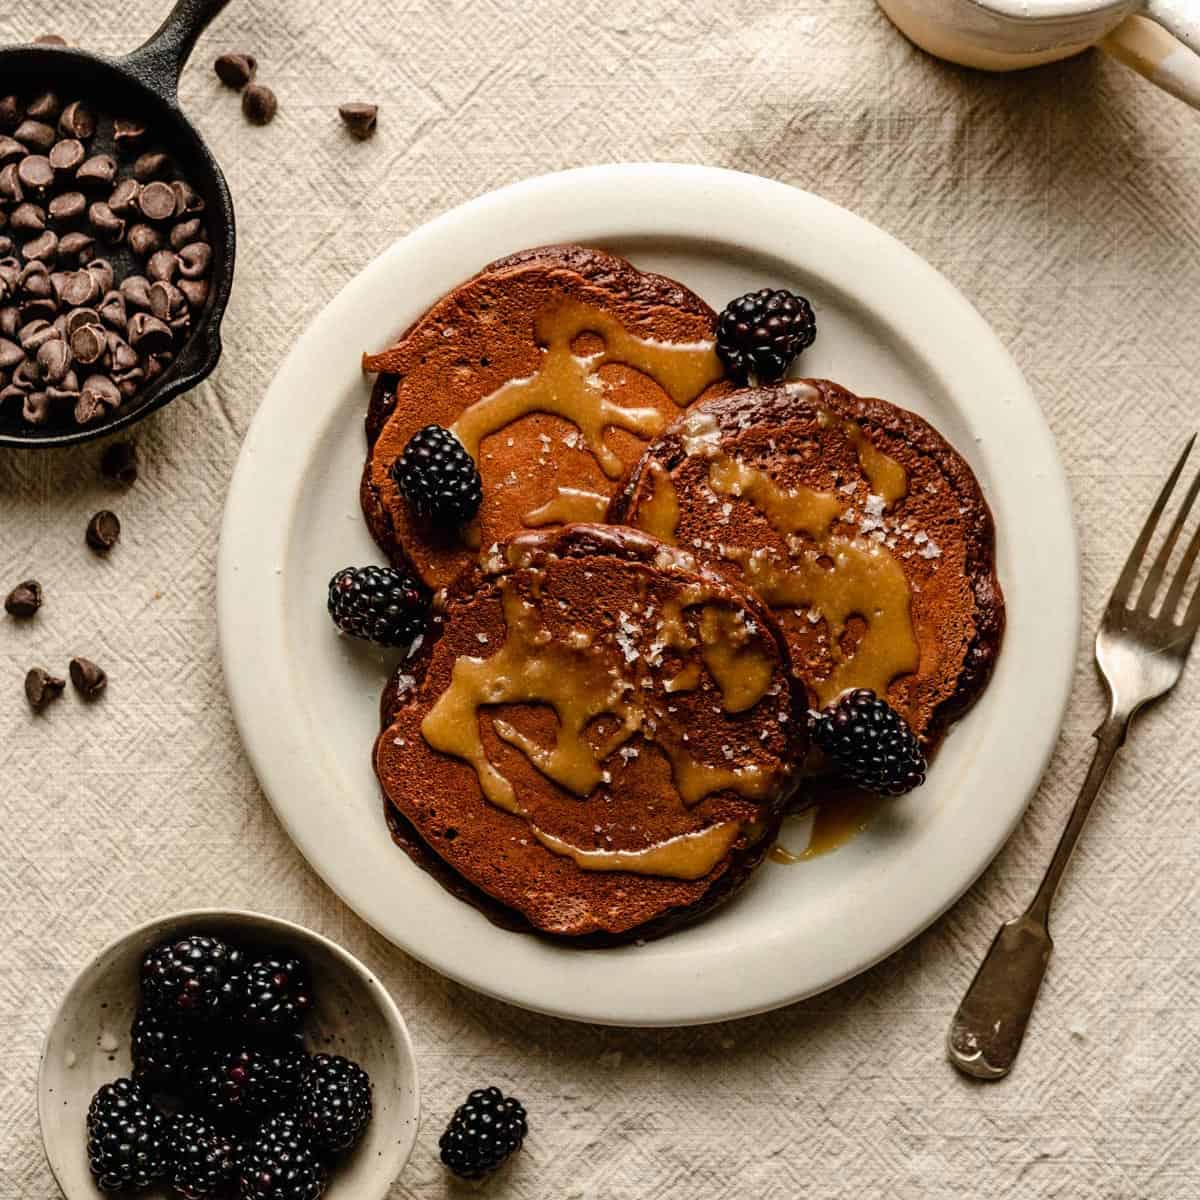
[554,367]
[861,527]
[598,740]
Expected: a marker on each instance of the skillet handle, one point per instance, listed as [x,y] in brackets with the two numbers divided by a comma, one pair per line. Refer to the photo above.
[159,61]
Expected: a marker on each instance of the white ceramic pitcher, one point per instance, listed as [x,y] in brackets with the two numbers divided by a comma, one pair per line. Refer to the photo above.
[1159,38]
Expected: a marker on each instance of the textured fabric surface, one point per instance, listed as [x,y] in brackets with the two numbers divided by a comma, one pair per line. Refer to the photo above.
[1065,203]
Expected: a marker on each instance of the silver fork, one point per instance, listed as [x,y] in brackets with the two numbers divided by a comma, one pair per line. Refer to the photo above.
[1141,655]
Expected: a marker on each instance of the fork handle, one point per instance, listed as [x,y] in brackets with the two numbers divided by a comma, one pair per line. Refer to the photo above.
[989,1026]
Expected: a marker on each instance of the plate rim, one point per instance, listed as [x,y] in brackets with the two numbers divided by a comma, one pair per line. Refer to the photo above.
[664,201]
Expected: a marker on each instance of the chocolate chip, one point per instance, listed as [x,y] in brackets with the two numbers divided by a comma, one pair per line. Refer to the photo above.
[42,248]
[27,218]
[188,201]
[121,355]
[35,172]
[78,246]
[106,222]
[41,309]
[6,246]
[37,135]
[80,288]
[88,344]
[77,318]
[34,334]
[87,678]
[119,462]
[24,600]
[163,265]
[41,688]
[101,270]
[236,70]
[136,290]
[35,280]
[10,149]
[131,382]
[194,260]
[359,119]
[10,113]
[10,354]
[49,39]
[113,311]
[187,232]
[98,171]
[167,302]
[195,291]
[127,132]
[66,155]
[157,201]
[67,207]
[149,335]
[53,360]
[143,240]
[77,121]
[124,197]
[150,166]
[36,409]
[45,107]
[10,184]
[259,104]
[104,529]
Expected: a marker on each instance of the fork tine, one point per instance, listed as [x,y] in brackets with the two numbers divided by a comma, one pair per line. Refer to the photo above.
[1175,591]
[1158,568]
[1120,593]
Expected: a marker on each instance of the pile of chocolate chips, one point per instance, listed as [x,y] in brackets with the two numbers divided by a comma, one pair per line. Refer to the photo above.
[104,260]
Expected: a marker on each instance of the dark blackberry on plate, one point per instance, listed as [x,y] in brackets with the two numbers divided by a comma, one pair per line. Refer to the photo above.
[282,1164]
[438,478]
[762,332]
[272,994]
[202,1160]
[870,744]
[163,1050]
[335,1102]
[186,977]
[483,1133]
[247,1083]
[127,1135]
[380,604]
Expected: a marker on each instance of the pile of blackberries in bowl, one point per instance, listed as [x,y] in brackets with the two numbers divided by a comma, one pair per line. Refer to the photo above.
[224,1098]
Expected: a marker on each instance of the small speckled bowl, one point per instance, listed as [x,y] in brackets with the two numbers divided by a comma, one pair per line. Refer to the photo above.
[88,1045]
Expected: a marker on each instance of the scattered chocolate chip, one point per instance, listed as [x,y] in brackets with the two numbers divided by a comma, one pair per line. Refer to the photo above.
[87,678]
[157,201]
[150,166]
[66,155]
[127,132]
[24,600]
[235,70]
[49,39]
[104,529]
[99,171]
[259,104]
[77,121]
[359,119]
[37,135]
[41,688]
[119,462]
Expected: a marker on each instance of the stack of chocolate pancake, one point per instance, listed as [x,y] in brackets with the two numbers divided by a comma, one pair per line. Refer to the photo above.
[599,735]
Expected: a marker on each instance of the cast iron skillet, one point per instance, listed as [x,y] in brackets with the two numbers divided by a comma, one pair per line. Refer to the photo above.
[143,83]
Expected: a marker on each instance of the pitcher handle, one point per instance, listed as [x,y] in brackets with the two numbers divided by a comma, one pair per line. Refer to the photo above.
[1169,60]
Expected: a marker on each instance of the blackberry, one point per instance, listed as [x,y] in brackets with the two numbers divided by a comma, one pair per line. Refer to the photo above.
[380,604]
[335,1101]
[163,1049]
[761,332]
[245,1084]
[186,978]
[483,1133]
[272,994]
[126,1137]
[438,478]
[202,1159]
[870,743]
[282,1164]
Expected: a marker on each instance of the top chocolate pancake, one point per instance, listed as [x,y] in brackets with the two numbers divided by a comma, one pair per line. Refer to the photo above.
[600,737]
[855,520]
[554,366]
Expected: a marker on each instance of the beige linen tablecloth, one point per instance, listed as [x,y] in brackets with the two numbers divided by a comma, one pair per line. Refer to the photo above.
[1064,202]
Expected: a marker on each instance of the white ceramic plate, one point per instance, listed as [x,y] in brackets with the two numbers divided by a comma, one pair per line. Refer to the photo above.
[306,701]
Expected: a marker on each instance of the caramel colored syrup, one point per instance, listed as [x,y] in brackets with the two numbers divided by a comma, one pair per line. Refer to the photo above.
[659,516]
[577,678]
[834,576]
[568,504]
[567,384]
[834,824]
